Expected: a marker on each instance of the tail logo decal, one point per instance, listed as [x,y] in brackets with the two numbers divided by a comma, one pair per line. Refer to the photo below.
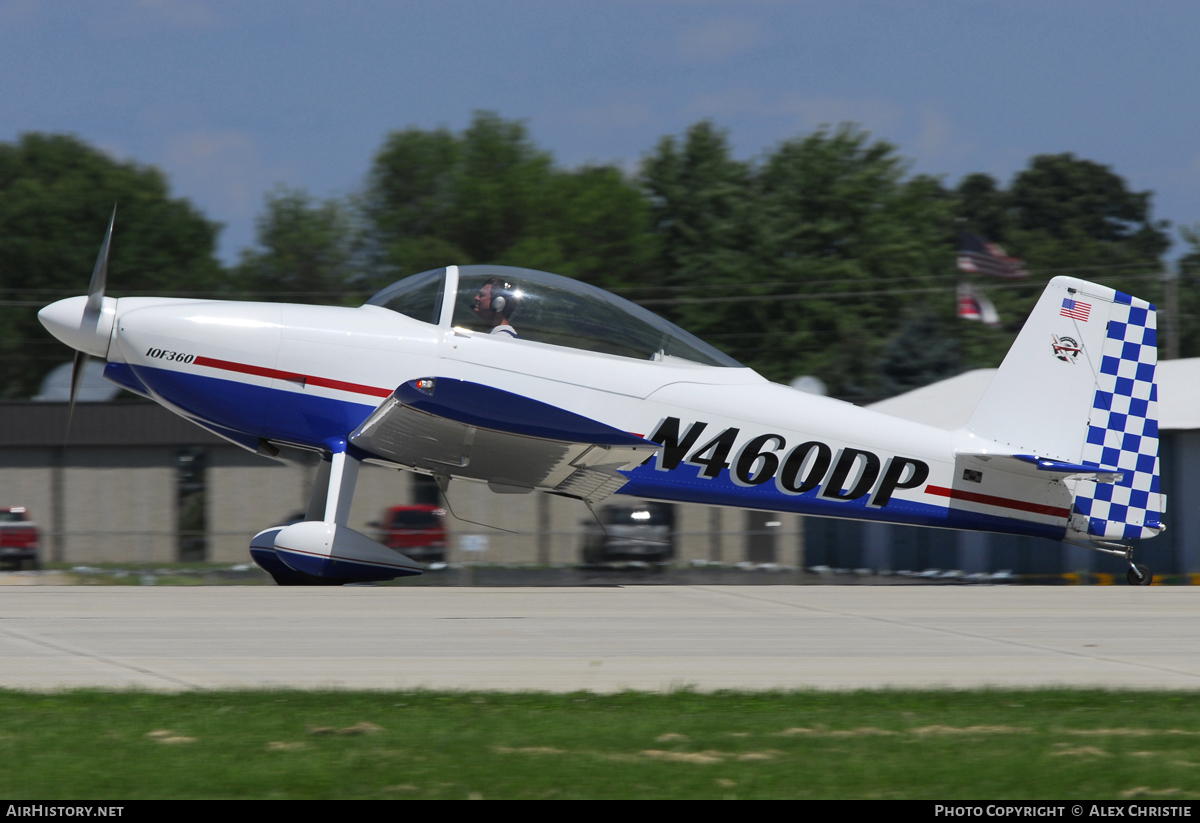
[1123,428]
[1065,349]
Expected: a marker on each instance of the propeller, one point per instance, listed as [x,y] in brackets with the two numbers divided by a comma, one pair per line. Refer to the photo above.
[91,315]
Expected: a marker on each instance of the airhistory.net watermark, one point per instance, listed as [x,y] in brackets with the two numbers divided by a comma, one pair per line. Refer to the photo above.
[46,810]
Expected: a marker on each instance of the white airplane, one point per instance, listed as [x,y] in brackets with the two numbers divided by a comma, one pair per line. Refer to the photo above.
[526,380]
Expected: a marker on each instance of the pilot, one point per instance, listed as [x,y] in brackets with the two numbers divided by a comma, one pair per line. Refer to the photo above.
[496,302]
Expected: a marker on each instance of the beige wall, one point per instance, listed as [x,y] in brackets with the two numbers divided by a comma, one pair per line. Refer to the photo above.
[119,506]
[247,493]
[693,527]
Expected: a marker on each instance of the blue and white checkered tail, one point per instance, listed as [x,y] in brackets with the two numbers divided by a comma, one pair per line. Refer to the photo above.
[1122,431]
[1076,391]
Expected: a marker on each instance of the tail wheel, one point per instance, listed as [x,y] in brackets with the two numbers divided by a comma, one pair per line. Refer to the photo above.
[1138,575]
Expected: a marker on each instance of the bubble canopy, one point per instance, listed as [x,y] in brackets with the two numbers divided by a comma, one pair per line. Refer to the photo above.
[546,308]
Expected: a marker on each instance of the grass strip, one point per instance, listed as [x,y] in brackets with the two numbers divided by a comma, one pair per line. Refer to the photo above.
[989,744]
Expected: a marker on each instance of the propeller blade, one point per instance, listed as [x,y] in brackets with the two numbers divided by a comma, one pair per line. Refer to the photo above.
[77,370]
[100,273]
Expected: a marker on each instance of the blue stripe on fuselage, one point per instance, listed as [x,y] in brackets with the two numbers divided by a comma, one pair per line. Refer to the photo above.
[122,375]
[683,484]
[295,417]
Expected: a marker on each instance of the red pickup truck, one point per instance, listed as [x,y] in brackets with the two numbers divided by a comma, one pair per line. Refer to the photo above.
[19,538]
[418,532]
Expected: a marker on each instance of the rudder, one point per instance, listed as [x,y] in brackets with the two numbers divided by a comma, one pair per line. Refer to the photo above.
[1123,430]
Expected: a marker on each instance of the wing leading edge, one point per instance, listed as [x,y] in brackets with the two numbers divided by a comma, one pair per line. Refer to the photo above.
[469,430]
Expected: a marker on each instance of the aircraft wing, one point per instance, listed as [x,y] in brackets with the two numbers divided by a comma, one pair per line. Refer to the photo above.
[516,444]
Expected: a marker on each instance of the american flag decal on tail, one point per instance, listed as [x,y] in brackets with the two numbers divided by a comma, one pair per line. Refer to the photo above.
[1075,309]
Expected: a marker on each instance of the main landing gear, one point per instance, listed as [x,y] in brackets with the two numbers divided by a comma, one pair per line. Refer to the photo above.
[322,550]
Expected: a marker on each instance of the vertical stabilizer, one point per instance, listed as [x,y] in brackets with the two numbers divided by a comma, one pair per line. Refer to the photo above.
[1078,386]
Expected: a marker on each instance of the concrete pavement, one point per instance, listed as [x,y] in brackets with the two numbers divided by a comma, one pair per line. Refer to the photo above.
[597,638]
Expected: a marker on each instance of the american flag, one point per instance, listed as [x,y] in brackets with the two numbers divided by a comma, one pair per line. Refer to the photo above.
[974,306]
[980,256]
[1076,309]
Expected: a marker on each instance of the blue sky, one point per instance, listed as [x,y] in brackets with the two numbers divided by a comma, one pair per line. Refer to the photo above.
[231,98]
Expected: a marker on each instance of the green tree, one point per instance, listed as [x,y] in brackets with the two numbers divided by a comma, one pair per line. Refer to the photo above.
[500,190]
[982,207]
[805,263]
[824,257]
[594,228]
[1061,215]
[864,250]
[437,198]
[922,352]
[489,195]
[1188,290]
[56,195]
[309,251]
[700,214]
[1062,197]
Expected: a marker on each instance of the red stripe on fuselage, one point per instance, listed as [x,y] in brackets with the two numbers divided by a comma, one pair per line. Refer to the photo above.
[302,379]
[992,500]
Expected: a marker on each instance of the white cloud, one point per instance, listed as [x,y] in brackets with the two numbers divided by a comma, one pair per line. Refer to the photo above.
[222,168]
[179,14]
[938,139]
[873,113]
[729,103]
[224,174]
[718,40]
[805,112]
[18,11]
[137,18]
[617,115]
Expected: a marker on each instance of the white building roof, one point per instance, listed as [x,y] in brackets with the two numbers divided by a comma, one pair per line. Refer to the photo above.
[949,403]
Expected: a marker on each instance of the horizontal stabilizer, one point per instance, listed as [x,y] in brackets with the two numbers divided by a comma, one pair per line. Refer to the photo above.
[1062,467]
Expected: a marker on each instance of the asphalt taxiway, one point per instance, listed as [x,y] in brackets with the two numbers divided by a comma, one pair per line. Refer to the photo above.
[599,638]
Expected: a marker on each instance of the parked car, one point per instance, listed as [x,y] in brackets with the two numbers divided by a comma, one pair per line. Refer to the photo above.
[19,538]
[643,532]
[418,532]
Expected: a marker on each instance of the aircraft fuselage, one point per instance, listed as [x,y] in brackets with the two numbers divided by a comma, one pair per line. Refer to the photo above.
[307,375]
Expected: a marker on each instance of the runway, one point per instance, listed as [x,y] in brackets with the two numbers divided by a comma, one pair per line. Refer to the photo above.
[599,639]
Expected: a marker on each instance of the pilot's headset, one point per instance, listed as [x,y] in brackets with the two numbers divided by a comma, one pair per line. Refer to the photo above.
[505,300]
